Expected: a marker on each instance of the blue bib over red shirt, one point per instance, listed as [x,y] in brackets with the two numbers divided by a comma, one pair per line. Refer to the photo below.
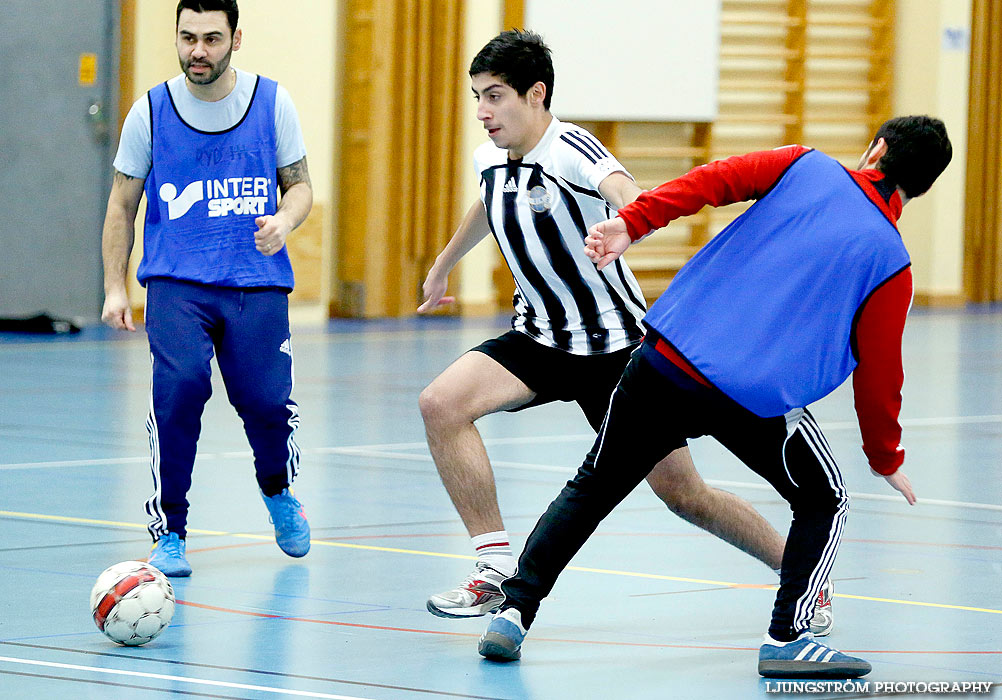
[766,310]
[203,193]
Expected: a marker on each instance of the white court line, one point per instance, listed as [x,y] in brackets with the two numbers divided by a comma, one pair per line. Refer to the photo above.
[549,468]
[303,335]
[109,460]
[382,451]
[362,449]
[356,449]
[411,457]
[713,482]
[76,463]
[869,496]
[180,679]
[919,422]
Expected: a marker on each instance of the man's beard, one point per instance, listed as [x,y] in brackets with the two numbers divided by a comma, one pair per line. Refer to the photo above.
[214,70]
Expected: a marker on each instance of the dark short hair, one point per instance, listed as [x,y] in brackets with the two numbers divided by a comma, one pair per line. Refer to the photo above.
[520,58]
[918,150]
[227,6]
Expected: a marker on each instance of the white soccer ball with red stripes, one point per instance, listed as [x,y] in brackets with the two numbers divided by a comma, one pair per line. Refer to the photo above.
[132,602]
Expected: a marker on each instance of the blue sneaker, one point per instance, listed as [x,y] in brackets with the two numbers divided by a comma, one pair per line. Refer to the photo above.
[502,640]
[168,556]
[292,531]
[806,658]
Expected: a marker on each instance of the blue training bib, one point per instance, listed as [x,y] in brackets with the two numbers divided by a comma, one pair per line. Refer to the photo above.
[766,310]
[203,193]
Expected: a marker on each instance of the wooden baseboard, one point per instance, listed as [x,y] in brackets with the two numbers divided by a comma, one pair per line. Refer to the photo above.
[938,300]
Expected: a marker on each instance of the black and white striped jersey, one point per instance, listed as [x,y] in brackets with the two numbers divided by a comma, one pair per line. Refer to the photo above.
[539,209]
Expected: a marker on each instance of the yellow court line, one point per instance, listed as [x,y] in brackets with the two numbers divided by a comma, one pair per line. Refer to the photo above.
[662,577]
[91,521]
[398,550]
[916,602]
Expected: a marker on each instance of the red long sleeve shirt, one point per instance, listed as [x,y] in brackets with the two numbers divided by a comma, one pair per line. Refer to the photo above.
[878,377]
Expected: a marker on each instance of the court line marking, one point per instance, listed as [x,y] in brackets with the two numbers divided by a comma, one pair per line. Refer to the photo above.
[111,684]
[549,468]
[304,335]
[363,450]
[250,671]
[447,555]
[863,496]
[251,613]
[180,679]
[92,521]
[368,450]
[666,535]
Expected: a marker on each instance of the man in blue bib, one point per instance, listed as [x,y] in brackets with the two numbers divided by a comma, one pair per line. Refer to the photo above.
[810,285]
[208,148]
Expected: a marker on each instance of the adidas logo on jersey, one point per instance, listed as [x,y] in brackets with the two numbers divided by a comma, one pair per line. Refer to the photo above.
[286,347]
[511,185]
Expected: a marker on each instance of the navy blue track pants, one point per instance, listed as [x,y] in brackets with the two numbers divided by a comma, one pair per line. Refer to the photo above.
[248,332]
[655,408]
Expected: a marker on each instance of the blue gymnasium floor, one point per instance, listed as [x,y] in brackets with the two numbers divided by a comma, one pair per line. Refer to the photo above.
[652,607]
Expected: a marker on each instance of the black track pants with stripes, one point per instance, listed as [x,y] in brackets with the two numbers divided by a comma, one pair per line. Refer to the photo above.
[654,410]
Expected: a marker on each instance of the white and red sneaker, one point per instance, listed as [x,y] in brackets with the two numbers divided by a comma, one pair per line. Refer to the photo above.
[478,595]
[823,620]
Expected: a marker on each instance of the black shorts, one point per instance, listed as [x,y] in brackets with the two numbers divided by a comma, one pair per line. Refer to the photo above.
[556,375]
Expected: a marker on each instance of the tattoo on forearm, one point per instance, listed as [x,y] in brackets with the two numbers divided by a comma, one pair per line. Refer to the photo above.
[122,177]
[293,174]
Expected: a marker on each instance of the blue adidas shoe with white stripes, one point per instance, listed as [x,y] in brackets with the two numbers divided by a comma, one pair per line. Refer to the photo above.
[292,530]
[806,658]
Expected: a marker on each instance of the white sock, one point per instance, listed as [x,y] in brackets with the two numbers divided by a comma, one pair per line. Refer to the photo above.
[494,549]
[513,615]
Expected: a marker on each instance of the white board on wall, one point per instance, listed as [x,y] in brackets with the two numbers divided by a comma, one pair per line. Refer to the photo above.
[631,60]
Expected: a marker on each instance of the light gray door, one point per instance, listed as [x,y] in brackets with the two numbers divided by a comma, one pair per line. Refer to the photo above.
[56,108]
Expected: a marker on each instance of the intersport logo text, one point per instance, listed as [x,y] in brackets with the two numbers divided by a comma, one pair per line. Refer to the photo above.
[239,195]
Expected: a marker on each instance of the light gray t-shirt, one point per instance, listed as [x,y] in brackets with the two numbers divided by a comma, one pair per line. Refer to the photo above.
[135,150]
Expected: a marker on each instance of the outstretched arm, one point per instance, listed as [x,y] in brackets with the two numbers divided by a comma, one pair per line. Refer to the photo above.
[297,200]
[734,179]
[878,378]
[117,239]
[718,183]
[471,231]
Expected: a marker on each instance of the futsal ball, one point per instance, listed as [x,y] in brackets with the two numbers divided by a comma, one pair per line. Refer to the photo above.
[132,602]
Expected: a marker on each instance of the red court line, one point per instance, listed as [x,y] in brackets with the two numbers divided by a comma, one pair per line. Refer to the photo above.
[661,534]
[392,536]
[249,613]
[389,536]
